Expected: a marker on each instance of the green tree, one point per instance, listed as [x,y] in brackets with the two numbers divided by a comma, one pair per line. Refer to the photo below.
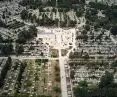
[57,89]
[114,30]
[106,80]
[24,14]
[72,73]
[1,38]
[7,49]
[19,49]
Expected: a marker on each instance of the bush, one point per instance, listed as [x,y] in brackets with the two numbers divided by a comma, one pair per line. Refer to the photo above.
[57,89]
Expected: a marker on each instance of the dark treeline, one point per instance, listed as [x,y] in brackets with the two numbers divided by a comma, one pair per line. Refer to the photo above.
[33,4]
[4,71]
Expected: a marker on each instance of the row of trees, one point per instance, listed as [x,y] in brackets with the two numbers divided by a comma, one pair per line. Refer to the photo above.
[4,70]
[69,3]
[45,21]
[57,73]
[7,49]
[33,4]
[98,5]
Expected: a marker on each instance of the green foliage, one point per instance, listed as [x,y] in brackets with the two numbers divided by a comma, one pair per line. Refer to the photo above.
[106,88]
[57,69]
[114,30]
[83,83]
[81,92]
[87,27]
[27,35]
[98,5]
[6,49]
[1,38]
[24,14]
[72,73]
[41,61]
[114,64]
[5,70]
[106,80]
[107,22]
[33,4]
[2,24]
[79,12]
[19,49]
[69,3]
[43,96]
[57,89]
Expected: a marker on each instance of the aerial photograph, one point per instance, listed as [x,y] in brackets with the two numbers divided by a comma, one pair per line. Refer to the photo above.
[58,48]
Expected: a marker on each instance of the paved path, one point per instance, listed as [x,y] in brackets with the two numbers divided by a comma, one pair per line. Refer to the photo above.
[62,73]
